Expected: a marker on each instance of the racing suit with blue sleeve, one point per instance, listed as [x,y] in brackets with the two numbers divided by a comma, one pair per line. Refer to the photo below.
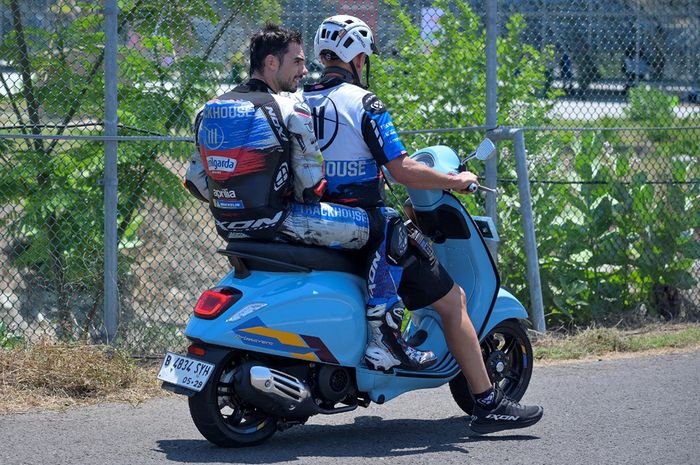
[357,137]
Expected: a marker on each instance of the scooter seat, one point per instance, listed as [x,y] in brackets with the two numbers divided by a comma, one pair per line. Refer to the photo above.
[282,256]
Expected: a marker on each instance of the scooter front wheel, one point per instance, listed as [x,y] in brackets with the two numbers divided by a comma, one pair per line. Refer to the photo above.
[507,353]
[223,418]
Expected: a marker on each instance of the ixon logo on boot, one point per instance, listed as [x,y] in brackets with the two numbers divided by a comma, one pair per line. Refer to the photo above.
[493,416]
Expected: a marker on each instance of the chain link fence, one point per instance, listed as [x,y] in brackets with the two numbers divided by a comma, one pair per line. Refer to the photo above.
[607,92]
[615,164]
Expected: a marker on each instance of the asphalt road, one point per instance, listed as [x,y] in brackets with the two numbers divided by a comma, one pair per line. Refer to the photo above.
[632,411]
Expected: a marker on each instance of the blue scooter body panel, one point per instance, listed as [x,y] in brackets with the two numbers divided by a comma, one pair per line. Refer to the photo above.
[317,316]
[469,263]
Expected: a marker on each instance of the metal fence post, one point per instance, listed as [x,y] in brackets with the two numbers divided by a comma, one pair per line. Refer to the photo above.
[111,297]
[533,265]
[533,270]
[492,109]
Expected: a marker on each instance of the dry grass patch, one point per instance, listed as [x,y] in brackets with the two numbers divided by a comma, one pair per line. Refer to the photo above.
[595,342]
[50,376]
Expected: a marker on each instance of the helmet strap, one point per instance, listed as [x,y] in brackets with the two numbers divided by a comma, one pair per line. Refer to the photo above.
[367,71]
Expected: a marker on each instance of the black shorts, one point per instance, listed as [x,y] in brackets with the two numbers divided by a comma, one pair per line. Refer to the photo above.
[423,282]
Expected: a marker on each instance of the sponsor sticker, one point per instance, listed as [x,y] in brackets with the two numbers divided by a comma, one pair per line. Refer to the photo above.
[260,223]
[212,136]
[343,168]
[221,164]
[230,204]
[217,109]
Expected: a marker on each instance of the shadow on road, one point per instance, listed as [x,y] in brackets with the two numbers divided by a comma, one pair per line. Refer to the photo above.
[368,436]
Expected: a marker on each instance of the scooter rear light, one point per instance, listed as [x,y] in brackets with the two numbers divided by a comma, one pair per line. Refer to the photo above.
[196,350]
[214,302]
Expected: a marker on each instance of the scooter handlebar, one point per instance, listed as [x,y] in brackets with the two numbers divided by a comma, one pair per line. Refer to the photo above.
[473,187]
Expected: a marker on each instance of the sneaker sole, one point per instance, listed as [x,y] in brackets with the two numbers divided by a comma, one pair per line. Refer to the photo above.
[480,429]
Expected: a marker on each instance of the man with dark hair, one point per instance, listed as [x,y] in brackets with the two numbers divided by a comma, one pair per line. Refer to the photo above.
[276,40]
[355,131]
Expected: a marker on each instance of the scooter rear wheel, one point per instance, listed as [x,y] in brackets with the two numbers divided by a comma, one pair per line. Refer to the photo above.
[507,353]
[222,418]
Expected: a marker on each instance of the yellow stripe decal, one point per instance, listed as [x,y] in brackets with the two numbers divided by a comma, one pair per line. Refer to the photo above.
[282,336]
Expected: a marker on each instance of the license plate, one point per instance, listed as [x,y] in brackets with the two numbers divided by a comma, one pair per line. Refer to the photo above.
[185,371]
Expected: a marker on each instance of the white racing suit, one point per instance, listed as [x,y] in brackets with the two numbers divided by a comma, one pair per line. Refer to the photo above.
[357,137]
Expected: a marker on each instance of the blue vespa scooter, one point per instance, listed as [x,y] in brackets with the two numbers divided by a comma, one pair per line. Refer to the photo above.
[282,336]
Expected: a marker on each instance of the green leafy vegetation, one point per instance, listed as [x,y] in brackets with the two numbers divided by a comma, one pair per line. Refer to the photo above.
[615,211]
[7,338]
[439,81]
[165,74]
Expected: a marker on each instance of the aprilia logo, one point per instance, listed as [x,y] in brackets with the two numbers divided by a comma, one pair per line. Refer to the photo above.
[493,416]
[224,193]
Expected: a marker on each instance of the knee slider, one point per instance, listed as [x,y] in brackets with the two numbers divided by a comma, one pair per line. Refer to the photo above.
[396,239]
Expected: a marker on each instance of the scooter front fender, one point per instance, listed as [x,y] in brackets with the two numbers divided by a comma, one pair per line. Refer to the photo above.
[507,307]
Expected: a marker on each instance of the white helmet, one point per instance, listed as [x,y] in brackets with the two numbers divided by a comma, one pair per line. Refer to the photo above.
[344,35]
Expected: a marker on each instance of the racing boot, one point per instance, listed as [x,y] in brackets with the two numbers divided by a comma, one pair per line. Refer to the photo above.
[387,347]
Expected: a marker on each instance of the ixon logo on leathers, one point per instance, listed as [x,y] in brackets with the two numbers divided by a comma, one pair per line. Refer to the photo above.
[243,225]
[221,164]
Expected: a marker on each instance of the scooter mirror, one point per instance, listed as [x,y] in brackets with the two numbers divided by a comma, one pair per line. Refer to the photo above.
[485,150]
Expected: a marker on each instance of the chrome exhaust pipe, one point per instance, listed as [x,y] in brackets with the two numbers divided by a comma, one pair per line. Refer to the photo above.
[280,384]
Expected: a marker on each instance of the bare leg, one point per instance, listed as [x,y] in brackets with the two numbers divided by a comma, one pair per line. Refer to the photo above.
[462,339]
[499,413]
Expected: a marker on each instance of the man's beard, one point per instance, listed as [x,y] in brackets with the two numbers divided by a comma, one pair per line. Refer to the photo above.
[289,86]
